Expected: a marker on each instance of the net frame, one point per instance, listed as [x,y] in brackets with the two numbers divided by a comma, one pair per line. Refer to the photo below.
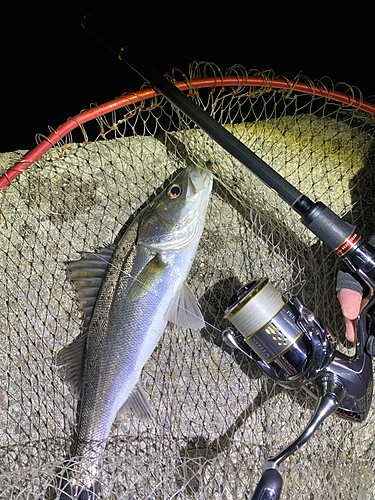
[257,83]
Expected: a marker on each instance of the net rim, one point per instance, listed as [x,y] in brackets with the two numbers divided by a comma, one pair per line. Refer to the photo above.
[215,82]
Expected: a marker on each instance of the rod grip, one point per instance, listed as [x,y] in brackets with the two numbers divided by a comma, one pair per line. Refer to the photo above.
[328,226]
[269,486]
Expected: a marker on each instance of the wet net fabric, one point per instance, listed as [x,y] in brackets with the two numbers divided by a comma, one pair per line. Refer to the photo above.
[216,417]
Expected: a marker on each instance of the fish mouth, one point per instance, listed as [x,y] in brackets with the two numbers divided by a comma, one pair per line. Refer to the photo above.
[199,177]
[202,168]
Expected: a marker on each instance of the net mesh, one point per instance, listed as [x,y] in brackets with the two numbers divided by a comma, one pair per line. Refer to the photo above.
[216,416]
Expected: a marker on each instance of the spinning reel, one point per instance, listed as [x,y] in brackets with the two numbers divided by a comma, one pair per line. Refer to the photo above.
[294,348]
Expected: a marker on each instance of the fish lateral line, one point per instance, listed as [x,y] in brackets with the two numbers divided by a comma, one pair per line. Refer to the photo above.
[143,286]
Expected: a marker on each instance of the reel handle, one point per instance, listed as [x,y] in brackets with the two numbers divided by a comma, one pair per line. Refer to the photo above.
[332,391]
[269,486]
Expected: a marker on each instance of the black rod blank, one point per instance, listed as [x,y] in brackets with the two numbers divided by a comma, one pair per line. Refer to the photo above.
[300,203]
[218,133]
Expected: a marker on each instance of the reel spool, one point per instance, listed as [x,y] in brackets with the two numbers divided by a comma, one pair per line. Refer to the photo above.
[269,325]
[290,344]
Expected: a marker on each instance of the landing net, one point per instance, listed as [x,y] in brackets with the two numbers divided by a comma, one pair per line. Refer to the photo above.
[216,417]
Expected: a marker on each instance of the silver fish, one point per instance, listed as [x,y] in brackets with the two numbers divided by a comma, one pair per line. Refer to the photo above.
[128,294]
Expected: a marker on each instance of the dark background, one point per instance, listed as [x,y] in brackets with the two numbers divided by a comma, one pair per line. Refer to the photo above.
[51,68]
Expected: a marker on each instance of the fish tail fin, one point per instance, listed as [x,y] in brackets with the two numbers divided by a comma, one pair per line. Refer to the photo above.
[68,492]
[74,487]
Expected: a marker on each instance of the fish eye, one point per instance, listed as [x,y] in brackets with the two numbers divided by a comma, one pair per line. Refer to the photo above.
[174,191]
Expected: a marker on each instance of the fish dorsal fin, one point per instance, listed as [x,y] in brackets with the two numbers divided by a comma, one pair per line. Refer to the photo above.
[138,403]
[70,358]
[184,309]
[87,275]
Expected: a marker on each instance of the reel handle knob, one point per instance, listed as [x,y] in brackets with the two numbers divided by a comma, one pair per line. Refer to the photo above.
[269,486]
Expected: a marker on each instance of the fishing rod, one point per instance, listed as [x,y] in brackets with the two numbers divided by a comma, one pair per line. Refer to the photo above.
[285,339]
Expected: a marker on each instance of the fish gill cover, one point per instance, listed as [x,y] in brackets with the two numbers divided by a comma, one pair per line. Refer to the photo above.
[216,417]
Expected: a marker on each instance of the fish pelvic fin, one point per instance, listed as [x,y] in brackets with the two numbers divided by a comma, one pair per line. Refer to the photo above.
[138,403]
[148,278]
[184,310]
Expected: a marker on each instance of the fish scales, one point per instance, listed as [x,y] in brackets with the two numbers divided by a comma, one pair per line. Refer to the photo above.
[114,323]
[142,287]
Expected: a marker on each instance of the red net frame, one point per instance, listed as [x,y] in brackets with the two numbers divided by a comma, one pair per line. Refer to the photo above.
[263,82]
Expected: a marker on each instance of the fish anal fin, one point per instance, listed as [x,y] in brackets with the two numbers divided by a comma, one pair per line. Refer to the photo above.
[138,403]
[184,309]
[70,361]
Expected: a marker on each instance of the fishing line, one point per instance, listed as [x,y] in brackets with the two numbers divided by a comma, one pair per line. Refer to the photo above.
[264,304]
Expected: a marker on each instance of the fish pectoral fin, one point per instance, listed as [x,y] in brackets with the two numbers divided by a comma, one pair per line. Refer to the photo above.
[185,310]
[148,278]
[70,359]
[138,403]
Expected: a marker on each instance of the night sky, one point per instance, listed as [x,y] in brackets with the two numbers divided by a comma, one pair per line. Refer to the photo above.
[51,68]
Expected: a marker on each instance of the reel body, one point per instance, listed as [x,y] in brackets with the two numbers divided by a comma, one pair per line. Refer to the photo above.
[295,348]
